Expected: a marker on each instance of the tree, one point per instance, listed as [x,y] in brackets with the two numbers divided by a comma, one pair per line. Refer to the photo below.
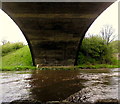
[107,34]
[94,51]
[4,41]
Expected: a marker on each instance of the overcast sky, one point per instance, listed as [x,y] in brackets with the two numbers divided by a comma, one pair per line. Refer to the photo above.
[9,30]
[108,17]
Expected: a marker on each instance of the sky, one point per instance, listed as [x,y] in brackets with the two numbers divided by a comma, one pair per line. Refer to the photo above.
[10,31]
[108,17]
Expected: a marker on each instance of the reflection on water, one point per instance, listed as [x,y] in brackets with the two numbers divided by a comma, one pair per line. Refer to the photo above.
[54,85]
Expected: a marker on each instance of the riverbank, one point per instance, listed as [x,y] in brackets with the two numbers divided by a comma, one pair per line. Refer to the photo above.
[17,57]
[20,68]
[20,57]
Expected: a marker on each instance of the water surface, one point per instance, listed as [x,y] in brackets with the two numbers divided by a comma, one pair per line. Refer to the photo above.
[58,85]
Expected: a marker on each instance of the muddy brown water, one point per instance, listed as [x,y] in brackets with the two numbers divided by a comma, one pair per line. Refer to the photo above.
[59,85]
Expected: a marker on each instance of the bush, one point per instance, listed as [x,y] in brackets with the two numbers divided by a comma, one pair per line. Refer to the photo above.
[116,46]
[94,51]
[10,47]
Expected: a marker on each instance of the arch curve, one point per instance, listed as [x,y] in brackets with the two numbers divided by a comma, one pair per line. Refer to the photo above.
[20,35]
[54,30]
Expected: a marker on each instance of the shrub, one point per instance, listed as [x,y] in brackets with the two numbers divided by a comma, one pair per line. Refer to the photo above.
[94,51]
[116,46]
[10,47]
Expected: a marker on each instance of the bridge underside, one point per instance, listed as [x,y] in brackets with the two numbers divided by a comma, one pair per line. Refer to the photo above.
[54,30]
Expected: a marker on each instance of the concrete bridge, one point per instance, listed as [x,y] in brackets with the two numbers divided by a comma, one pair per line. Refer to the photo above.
[54,30]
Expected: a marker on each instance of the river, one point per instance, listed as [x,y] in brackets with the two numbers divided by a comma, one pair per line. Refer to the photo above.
[85,85]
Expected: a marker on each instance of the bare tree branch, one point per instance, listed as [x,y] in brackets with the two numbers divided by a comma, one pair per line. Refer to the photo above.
[107,33]
[4,41]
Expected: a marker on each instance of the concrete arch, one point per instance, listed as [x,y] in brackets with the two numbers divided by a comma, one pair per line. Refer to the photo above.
[54,30]
[23,35]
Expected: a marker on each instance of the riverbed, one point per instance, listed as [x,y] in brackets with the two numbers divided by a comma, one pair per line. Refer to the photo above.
[85,85]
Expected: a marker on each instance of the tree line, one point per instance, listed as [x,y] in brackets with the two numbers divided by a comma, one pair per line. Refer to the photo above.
[99,49]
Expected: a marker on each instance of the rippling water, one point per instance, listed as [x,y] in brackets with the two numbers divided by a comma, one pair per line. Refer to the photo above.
[58,85]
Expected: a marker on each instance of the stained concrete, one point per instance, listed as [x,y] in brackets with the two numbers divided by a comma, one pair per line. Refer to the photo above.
[54,30]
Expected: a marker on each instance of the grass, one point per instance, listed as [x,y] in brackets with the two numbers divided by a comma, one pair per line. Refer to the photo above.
[80,67]
[89,68]
[82,70]
[97,66]
[10,47]
[20,59]
[17,68]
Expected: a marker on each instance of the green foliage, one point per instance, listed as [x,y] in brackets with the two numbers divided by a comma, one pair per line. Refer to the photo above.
[20,57]
[95,51]
[97,66]
[10,47]
[116,46]
[17,68]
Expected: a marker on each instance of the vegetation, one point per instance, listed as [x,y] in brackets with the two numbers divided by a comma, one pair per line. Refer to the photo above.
[116,46]
[98,66]
[94,51]
[21,57]
[10,47]
[16,56]
[94,54]
[17,68]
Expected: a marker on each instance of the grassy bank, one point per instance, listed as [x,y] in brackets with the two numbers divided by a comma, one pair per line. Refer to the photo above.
[17,60]
[11,47]
[79,67]
[17,68]
[18,57]
[98,66]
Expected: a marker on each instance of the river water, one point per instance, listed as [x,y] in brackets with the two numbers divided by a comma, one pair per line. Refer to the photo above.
[85,85]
